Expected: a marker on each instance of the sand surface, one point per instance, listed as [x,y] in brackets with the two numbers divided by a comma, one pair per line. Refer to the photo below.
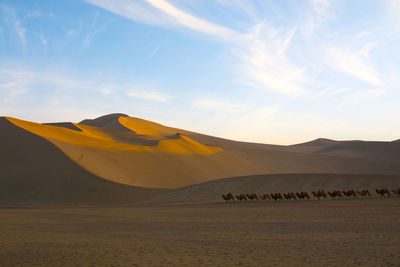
[311,233]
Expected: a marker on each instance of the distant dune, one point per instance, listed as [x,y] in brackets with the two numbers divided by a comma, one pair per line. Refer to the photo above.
[107,122]
[117,153]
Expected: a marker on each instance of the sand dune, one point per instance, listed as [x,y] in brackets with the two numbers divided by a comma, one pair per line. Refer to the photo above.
[109,121]
[150,155]
[35,172]
[211,191]
[388,152]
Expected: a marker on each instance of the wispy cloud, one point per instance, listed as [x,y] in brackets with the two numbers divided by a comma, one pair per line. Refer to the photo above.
[135,10]
[326,93]
[147,95]
[93,31]
[32,14]
[352,64]
[265,63]
[364,95]
[187,20]
[162,13]
[393,7]
[155,50]
[15,22]
[11,90]
[321,6]
[43,39]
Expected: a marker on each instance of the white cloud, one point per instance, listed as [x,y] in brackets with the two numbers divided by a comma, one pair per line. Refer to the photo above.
[326,93]
[162,13]
[364,34]
[10,91]
[152,96]
[135,10]
[13,20]
[43,39]
[321,6]
[265,64]
[92,32]
[106,90]
[21,32]
[350,63]
[365,95]
[393,11]
[35,13]
[367,48]
[187,20]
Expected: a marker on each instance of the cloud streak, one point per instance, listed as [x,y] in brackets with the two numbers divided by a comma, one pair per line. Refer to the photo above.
[148,95]
[352,64]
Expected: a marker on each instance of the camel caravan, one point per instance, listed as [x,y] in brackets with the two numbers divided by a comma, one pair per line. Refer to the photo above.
[320,194]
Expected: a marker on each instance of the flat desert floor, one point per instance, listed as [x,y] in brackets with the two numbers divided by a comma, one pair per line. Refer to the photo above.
[362,232]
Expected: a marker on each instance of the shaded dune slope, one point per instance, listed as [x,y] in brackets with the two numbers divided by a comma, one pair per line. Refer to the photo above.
[68,125]
[109,121]
[35,172]
[211,191]
[388,152]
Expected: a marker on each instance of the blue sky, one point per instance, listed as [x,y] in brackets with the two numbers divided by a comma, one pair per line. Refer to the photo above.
[278,72]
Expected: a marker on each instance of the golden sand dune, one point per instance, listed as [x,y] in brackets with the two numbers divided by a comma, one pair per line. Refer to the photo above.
[98,138]
[136,152]
[35,172]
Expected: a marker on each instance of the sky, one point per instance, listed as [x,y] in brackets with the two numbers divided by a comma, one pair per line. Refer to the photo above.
[267,71]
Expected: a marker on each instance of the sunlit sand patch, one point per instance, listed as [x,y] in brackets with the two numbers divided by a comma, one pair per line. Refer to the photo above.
[185,145]
[95,137]
[144,127]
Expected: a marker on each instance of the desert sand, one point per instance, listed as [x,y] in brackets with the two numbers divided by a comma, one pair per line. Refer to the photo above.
[362,232]
[119,190]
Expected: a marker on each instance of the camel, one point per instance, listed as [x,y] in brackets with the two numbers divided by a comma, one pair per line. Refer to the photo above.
[241,197]
[349,193]
[276,196]
[252,196]
[302,195]
[319,194]
[228,197]
[335,194]
[382,192]
[289,196]
[364,193]
[264,196]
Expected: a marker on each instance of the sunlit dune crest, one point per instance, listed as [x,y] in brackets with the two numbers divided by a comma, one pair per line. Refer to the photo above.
[185,145]
[144,127]
[168,142]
